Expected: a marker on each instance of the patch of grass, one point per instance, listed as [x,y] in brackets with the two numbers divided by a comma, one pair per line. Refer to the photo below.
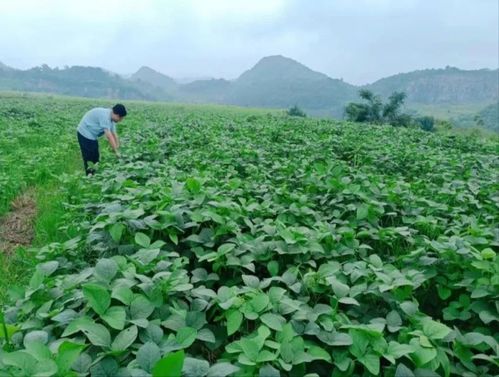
[16,267]
[50,200]
[13,269]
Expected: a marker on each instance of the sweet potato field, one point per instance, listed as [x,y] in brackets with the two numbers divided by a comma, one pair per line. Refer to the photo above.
[227,242]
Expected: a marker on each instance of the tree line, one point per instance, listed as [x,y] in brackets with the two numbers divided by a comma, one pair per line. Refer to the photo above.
[374,111]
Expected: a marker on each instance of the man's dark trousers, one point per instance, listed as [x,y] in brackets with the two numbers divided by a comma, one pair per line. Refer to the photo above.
[89,152]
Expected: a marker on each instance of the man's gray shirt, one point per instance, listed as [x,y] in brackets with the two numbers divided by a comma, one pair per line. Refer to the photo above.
[95,121]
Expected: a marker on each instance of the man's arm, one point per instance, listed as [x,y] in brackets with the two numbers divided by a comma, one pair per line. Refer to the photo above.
[115,134]
[112,141]
[116,138]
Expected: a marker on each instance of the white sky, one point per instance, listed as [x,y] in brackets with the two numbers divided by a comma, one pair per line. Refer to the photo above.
[357,40]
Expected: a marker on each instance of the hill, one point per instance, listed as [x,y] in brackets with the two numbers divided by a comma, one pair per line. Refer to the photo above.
[205,91]
[273,82]
[277,81]
[75,81]
[154,78]
[4,67]
[442,86]
[490,117]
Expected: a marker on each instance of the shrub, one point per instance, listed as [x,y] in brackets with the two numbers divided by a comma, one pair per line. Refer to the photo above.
[426,123]
[295,111]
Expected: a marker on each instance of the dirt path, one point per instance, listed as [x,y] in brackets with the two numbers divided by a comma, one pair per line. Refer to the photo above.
[16,226]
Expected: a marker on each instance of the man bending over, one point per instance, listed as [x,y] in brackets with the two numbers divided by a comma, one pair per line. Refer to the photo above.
[95,123]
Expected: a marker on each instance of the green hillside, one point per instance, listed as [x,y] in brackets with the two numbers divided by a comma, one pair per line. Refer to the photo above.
[442,86]
[487,117]
[74,81]
[277,81]
[490,116]
[154,78]
[205,91]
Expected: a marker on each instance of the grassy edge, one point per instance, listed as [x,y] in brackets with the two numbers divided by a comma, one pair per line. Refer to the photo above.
[15,268]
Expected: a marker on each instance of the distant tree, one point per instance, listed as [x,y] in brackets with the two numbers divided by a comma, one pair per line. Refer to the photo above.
[357,112]
[374,111]
[295,111]
[426,123]
[369,112]
[392,109]
[375,106]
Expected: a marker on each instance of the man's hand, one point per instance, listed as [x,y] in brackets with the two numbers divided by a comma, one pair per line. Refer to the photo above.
[112,141]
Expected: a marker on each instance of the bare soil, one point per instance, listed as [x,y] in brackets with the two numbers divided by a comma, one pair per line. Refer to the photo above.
[16,226]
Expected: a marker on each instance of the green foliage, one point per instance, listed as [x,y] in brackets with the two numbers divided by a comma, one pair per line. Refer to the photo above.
[280,246]
[374,111]
[426,123]
[27,156]
[443,125]
[487,118]
[171,365]
[295,111]
[30,164]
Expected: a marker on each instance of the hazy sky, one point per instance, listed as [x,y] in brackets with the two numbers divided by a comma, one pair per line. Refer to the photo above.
[357,40]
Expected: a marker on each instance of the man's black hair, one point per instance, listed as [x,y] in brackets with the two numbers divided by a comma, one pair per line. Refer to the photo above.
[119,109]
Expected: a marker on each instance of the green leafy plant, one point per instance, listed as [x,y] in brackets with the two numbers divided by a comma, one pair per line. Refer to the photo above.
[280,246]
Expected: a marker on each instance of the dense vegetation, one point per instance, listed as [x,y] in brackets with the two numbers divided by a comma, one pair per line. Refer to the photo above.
[34,143]
[487,118]
[228,242]
[295,111]
[374,111]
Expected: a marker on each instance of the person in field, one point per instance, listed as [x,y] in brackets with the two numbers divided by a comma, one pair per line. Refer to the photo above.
[95,123]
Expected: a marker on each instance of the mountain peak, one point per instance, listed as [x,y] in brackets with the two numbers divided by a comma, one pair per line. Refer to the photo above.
[153,77]
[145,68]
[277,59]
[281,61]
[278,67]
